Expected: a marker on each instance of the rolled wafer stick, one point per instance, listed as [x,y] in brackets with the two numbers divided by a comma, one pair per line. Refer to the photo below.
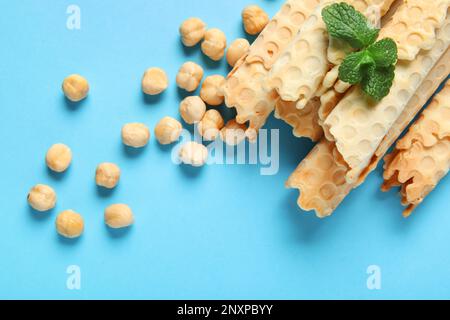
[299,72]
[243,89]
[422,157]
[320,179]
[410,36]
[304,121]
[310,197]
[358,124]
[301,68]
[421,96]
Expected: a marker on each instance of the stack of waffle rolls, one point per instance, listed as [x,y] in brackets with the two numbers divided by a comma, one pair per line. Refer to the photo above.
[292,68]
[320,177]
[246,88]
[358,132]
[299,72]
[422,157]
[401,24]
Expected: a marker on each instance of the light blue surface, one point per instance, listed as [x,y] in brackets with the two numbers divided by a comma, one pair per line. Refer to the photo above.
[219,232]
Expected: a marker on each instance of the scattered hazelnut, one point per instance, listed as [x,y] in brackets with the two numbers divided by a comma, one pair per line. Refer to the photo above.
[75,87]
[168,130]
[42,197]
[118,216]
[154,81]
[237,50]
[192,31]
[192,109]
[189,76]
[209,127]
[255,19]
[58,157]
[233,133]
[107,175]
[214,44]
[69,224]
[211,91]
[193,153]
[135,135]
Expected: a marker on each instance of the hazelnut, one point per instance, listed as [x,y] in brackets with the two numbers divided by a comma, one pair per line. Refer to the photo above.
[255,19]
[192,109]
[118,216]
[107,175]
[233,133]
[75,87]
[214,44]
[42,197]
[192,31]
[211,91]
[193,153]
[135,135]
[209,127]
[189,76]
[58,157]
[69,224]
[237,50]
[168,130]
[154,81]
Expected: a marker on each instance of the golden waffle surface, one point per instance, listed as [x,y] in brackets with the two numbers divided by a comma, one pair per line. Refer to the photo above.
[421,158]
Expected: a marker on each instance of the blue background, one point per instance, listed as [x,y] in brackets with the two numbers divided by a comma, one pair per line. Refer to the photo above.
[218,232]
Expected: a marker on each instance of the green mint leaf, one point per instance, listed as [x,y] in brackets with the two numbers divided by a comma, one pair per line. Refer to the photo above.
[344,22]
[374,65]
[377,82]
[384,52]
[352,69]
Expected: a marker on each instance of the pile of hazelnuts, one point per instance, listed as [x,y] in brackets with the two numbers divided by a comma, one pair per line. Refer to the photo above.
[193,110]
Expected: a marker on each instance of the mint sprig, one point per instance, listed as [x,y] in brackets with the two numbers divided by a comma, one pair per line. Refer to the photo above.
[373,66]
[352,70]
[384,52]
[378,81]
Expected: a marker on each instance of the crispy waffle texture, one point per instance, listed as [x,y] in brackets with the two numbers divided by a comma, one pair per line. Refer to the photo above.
[320,179]
[422,157]
[414,26]
[304,122]
[244,86]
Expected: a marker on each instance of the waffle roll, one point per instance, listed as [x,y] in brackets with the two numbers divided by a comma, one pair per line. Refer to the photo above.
[243,89]
[422,157]
[320,179]
[437,75]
